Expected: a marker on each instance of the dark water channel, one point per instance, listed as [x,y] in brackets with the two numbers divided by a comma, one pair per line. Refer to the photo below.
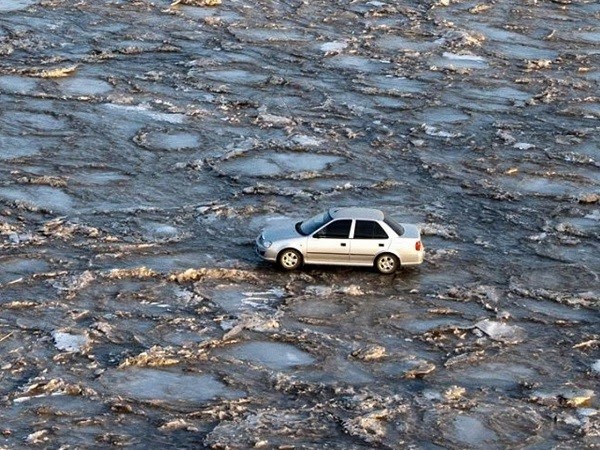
[144,145]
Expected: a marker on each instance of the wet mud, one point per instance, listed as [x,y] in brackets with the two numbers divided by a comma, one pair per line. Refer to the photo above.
[143,145]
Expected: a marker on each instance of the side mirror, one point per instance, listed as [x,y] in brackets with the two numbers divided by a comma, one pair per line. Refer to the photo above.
[319,234]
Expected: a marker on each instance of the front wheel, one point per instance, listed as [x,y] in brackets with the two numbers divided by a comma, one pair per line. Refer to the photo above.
[289,259]
[387,263]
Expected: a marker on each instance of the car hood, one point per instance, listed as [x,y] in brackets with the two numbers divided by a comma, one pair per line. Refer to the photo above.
[280,232]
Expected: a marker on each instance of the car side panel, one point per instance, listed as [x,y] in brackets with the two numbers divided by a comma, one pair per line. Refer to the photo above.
[321,251]
[363,251]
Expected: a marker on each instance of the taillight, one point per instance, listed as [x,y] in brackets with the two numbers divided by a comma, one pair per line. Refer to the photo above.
[418,246]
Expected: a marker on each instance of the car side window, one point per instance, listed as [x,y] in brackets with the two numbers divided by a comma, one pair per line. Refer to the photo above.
[340,229]
[367,229]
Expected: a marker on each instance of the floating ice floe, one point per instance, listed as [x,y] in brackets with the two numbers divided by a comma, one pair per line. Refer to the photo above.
[434,131]
[523,146]
[307,141]
[498,331]
[335,46]
[146,110]
[463,57]
[571,397]
[69,342]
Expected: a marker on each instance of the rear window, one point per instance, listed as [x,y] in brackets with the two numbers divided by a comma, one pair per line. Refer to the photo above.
[367,229]
[394,226]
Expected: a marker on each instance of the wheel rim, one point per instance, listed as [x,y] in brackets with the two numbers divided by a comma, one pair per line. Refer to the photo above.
[386,263]
[289,260]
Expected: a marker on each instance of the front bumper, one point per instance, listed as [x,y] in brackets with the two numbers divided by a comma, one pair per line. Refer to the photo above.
[263,252]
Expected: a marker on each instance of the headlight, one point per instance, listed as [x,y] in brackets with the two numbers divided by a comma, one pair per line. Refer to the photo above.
[267,244]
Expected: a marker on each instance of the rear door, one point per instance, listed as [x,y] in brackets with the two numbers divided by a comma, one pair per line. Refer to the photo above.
[368,240]
[330,244]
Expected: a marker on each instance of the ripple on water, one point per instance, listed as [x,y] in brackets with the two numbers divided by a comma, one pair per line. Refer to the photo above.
[495,375]
[589,36]
[15,5]
[399,84]
[14,84]
[38,121]
[396,43]
[539,186]
[573,279]
[238,298]
[170,141]
[498,95]
[443,115]
[269,34]
[196,12]
[18,147]
[416,326]
[39,196]
[143,112]
[273,355]
[460,61]
[518,51]
[471,431]
[152,384]
[98,177]
[483,99]
[235,76]
[14,268]
[357,63]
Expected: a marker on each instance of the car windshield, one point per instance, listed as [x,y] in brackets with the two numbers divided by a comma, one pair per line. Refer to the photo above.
[313,224]
[394,225]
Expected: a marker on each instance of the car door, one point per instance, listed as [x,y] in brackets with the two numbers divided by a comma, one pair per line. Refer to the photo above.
[330,244]
[368,240]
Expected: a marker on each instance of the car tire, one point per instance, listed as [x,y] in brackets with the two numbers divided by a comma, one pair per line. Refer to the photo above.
[387,263]
[289,259]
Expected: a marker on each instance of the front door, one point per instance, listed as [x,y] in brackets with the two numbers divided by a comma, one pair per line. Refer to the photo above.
[330,244]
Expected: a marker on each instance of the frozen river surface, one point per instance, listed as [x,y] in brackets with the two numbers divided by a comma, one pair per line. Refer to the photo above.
[143,145]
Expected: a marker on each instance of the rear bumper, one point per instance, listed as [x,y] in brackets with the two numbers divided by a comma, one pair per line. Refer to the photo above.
[415,261]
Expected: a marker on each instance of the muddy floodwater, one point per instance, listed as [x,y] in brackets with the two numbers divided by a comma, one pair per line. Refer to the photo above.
[143,145]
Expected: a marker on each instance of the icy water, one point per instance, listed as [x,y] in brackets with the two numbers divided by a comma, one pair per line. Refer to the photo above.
[143,146]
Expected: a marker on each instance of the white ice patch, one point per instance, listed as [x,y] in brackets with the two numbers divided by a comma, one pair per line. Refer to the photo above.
[146,110]
[307,141]
[498,331]
[595,215]
[463,57]
[523,146]
[434,131]
[69,342]
[335,46]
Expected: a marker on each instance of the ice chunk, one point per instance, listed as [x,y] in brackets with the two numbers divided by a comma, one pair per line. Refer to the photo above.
[335,46]
[498,331]
[463,57]
[69,342]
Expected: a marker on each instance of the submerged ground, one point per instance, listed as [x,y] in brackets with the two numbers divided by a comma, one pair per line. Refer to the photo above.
[139,140]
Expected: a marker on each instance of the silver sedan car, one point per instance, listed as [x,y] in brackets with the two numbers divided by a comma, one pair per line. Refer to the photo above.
[346,237]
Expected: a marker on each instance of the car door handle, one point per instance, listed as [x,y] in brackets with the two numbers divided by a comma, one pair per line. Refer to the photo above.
[381,245]
[343,244]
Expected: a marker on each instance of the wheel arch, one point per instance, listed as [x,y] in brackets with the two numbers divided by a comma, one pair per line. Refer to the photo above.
[388,252]
[293,249]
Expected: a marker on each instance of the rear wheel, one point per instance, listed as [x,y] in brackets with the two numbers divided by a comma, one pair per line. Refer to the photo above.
[387,263]
[289,259]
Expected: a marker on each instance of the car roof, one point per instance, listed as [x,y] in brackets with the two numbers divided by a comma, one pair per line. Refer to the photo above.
[356,213]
